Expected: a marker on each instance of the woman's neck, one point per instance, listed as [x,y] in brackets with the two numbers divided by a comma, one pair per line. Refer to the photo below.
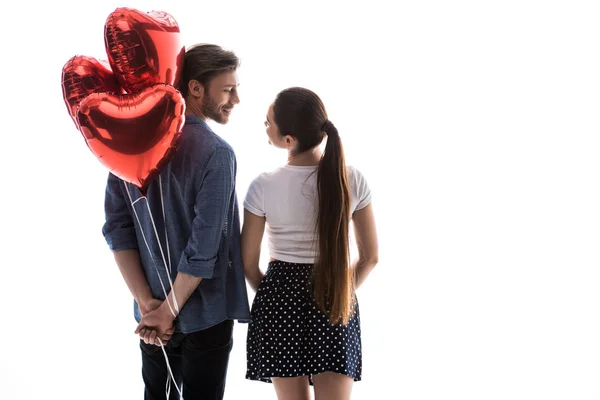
[309,157]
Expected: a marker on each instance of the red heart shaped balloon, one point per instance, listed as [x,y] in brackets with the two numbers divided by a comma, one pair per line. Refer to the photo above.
[134,136]
[143,49]
[82,76]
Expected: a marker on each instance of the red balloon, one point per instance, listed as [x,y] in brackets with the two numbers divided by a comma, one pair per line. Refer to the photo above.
[134,136]
[143,49]
[83,75]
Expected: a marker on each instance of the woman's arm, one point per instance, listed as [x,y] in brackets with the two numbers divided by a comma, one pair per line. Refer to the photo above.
[365,233]
[252,235]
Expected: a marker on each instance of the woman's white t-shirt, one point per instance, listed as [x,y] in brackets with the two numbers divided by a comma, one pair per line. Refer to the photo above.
[287,198]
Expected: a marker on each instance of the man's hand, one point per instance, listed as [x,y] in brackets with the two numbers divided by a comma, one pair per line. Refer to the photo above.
[148,335]
[149,305]
[158,323]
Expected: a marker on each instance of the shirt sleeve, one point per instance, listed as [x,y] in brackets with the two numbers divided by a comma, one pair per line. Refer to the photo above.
[119,228]
[255,198]
[216,183]
[362,190]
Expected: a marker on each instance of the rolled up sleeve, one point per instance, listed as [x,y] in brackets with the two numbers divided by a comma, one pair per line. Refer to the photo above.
[216,184]
[118,228]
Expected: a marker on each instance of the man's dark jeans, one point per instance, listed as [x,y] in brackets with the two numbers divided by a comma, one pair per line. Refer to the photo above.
[198,361]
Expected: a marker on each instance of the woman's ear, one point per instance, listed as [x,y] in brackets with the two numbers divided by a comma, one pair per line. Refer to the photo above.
[289,141]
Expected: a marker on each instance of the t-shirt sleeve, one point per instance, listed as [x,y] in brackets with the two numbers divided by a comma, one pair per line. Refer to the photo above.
[255,198]
[363,192]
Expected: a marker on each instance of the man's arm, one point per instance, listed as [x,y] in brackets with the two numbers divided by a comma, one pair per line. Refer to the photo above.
[119,232]
[135,278]
[216,185]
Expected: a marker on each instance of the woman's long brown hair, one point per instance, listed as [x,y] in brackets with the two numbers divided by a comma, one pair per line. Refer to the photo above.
[300,113]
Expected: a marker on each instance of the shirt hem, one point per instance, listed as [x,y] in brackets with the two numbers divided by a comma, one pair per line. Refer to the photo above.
[292,259]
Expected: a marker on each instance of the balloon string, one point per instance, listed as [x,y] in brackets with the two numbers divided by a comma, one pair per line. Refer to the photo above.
[150,251]
[168,387]
[169,270]
[141,198]
[165,221]
[170,372]
[163,257]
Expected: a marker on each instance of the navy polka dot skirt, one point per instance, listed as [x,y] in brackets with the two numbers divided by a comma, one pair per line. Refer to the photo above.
[288,336]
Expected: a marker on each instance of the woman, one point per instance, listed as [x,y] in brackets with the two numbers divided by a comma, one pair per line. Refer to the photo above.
[305,325]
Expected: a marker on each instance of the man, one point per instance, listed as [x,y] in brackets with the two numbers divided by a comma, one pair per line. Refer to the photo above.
[194,211]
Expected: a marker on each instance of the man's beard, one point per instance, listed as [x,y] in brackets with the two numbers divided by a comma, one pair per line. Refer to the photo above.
[211,110]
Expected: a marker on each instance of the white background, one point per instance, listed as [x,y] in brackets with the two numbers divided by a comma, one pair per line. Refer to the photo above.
[476,124]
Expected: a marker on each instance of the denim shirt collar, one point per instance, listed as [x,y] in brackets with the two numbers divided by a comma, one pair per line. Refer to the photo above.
[193,119]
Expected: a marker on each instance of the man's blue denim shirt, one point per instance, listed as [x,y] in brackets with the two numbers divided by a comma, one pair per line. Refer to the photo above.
[202,226]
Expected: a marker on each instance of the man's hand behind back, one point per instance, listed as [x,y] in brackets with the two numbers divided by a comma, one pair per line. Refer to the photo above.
[156,322]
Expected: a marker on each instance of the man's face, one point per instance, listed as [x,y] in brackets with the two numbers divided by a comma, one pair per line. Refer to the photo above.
[220,96]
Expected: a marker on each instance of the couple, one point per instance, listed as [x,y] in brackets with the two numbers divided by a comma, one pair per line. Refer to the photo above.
[304,324]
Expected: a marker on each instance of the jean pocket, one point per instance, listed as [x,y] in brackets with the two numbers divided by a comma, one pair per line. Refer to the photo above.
[149,349]
[212,338]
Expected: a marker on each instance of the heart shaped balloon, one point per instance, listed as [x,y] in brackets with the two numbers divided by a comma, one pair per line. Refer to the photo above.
[134,136]
[82,76]
[143,49]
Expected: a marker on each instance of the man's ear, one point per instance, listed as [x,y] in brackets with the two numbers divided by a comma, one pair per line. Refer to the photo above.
[195,88]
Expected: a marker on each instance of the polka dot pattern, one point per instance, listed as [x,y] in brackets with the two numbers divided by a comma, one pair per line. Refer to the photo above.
[289,336]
